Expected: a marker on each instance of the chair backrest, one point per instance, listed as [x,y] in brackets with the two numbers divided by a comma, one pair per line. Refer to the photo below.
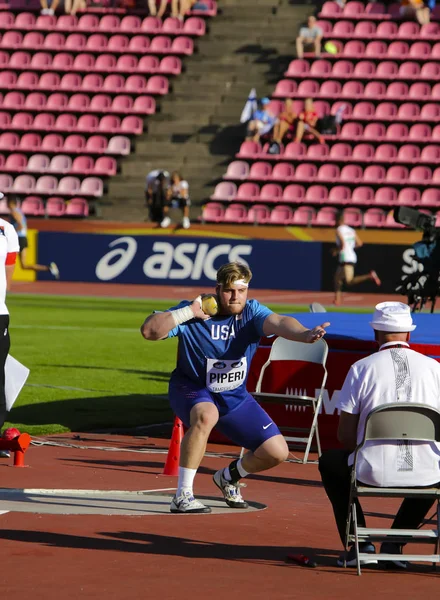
[403,421]
[283,349]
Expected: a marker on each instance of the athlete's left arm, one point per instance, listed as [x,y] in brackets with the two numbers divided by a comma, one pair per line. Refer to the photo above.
[9,274]
[291,329]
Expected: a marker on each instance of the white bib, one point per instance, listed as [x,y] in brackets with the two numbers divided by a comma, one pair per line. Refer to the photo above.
[224,375]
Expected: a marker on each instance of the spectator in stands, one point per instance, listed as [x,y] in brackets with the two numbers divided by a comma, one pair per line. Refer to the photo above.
[415,8]
[156,193]
[308,122]
[45,10]
[309,36]
[19,223]
[286,122]
[262,121]
[152,7]
[347,240]
[71,7]
[178,197]
[395,373]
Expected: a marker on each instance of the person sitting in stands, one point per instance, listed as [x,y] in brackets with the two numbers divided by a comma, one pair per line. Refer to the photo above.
[286,121]
[262,121]
[45,10]
[417,8]
[309,36]
[308,122]
[152,7]
[178,196]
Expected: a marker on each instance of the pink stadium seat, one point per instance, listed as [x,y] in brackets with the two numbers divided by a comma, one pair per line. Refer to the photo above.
[89,23]
[430,154]
[46,185]
[53,142]
[43,121]
[430,70]
[409,70]
[260,171]
[79,102]
[420,91]
[13,100]
[376,50]
[340,151]
[351,174]
[101,103]
[352,89]
[118,144]
[373,175]
[339,194]
[38,163]
[105,166]
[25,21]
[33,206]
[66,122]
[386,111]
[353,217]
[281,215]
[330,9]
[386,30]
[30,141]
[429,112]
[88,123]
[144,105]
[60,163]
[235,213]
[249,149]
[15,163]
[396,174]
[55,207]
[330,89]
[320,68]
[398,50]
[364,69]
[96,83]
[431,197]
[75,42]
[408,111]
[293,194]
[271,192]
[52,41]
[49,81]
[19,121]
[248,192]
[108,124]
[316,194]
[74,144]
[70,82]
[130,24]
[397,132]
[258,214]
[420,51]
[409,197]
[6,182]
[172,26]
[77,207]
[385,196]
[106,63]
[326,217]
[12,39]
[362,195]
[317,152]
[97,43]
[67,23]
[409,30]
[304,215]
[365,30]
[160,44]
[125,64]
[224,190]
[353,9]
[430,30]
[420,132]
[92,186]
[157,84]
[342,69]
[138,44]
[82,165]
[328,173]
[387,70]
[132,125]
[306,172]
[23,184]
[297,68]
[84,62]
[294,151]
[351,131]
[170,65]
[19,60]
[420,176]
[55,102]
[287,88]
[194,26]
[408,153]
[45,22]
[109,24]
[33,40]
[374,217]
[436,92]
[182,45]
[68,186]
[152,25]
[283,172]
[213,212]
[237,169]
[391,223]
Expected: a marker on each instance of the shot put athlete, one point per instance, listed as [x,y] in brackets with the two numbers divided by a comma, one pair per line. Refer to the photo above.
[208,387]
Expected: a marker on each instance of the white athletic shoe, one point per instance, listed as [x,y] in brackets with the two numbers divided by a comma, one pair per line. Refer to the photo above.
[54,271]
[185,223]
[187,504]
[165,222]
[231,491]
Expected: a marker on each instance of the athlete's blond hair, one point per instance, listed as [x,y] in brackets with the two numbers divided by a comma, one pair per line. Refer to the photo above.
[231,272]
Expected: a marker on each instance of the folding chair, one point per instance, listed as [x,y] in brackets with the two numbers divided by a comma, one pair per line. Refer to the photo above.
[400,421]
[287,350]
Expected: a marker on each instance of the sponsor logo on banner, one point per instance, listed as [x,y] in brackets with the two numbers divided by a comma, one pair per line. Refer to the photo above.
[329,404]
[188,260]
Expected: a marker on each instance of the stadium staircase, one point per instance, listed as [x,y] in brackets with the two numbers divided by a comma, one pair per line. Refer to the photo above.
[387,151]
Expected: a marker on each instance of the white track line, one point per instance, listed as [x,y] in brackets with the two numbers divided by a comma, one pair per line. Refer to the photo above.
[133,330]
[78,492]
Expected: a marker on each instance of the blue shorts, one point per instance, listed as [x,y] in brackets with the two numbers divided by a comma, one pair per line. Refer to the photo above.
[247,424]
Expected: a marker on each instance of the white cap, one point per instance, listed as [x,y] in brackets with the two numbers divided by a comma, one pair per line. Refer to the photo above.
[392,317]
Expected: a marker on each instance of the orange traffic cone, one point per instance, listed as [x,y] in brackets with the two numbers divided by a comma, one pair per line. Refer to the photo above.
[172,463]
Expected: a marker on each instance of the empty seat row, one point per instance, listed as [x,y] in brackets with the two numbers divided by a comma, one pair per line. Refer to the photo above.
[58,164]
[57,102]
[93,83]
[49,184]
[372,11]
[194,26]
[67,122]
[54,143]
[397,132]
[374,90]
[319,194]
[104,63]
[34,206]
[77,42]
[377,50]
[385,30]
[330,173]
[364,69]
[344,152]
[303,215]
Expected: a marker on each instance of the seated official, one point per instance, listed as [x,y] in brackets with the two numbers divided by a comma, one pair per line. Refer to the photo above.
[394,374]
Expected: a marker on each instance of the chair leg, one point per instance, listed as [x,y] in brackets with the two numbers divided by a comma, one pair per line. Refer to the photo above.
[437,541]
[356,539]
[313,431]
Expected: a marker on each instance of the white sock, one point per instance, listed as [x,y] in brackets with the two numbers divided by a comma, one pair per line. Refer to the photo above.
[242,471]
[186,479]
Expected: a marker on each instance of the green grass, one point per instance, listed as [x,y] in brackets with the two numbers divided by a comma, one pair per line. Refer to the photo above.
[90,367]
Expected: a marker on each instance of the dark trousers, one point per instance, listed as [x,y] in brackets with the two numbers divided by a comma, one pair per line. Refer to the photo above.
[5,344]
[336,478]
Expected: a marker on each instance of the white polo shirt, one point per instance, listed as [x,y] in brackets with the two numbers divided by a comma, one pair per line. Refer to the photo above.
[8,245]
[394,374]
[346,253]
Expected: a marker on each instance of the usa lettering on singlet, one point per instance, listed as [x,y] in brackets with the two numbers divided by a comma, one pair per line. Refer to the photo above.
[347,254]
[217,353]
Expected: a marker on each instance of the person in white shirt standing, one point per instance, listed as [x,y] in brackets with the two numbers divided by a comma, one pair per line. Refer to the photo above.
[9,250]
[394,374]
[347,240]
[177,197]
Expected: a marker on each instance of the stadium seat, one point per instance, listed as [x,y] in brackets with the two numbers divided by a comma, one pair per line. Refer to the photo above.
[46,185]
[326,216]
[304,215]
[281,215]
[60,163]
[55,207]
[374,217]
[82,165]
[258,214]
[77,207]
[260,171]
[237,169]
[235,213]
[271,193]
[353,217]
[213,212]
[293,194]
[33,206]
[283,172]
[409,197]
[362,195]
[224,190]
[38,163]
[247,192]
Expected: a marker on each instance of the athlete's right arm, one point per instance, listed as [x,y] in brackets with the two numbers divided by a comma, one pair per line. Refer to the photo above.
[158,325]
